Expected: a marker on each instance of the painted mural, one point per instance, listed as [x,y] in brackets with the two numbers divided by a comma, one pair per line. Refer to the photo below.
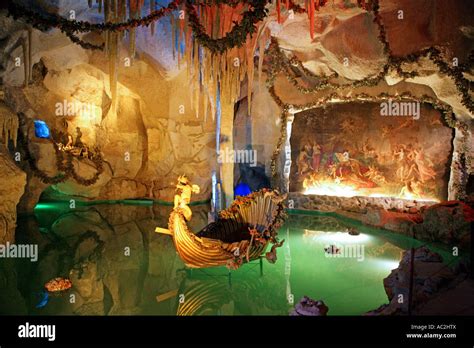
[363,150]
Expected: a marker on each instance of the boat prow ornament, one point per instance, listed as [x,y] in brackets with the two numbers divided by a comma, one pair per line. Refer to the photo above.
[241,233]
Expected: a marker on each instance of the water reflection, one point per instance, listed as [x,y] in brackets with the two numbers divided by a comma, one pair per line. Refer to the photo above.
[118,265]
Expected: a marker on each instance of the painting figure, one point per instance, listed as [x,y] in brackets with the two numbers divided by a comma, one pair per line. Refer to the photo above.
[401,157]
[424,166]
[411,190]
[303,160]
[369,155]
[316,156]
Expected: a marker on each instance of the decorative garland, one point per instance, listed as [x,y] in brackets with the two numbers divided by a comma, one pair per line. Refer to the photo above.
[235,38]
[462,84]
[279,64]
[65,166]
[297,63]
[70,171]
[231,3]
[32,162]
[283,127]
[71,27]
[446,112]
[238,34]
[45,22]
[83,44]
[393,63]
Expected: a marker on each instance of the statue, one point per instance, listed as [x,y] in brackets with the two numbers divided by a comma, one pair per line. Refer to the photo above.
[69,142]
[183,196]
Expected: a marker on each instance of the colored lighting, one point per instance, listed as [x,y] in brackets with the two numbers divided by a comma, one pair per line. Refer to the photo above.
[242,189]
[41,129]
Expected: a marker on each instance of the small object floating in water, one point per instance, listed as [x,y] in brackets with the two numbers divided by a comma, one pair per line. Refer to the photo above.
[310,307]
[332,250]
[44,299]
[58,284]
[352,231]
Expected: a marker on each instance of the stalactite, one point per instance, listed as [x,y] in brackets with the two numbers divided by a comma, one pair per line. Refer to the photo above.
[30,53]
[311,18]
[250,50]
[107,10]
[152,9]
[135,12]
[261,53]
[9,126]
[278,9]
[122,15]
[212,72]
[113,53]
[26,59]
[107,19]
[89,2]
[173,33]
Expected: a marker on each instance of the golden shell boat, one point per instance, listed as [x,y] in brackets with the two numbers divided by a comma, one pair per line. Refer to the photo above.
[241,234]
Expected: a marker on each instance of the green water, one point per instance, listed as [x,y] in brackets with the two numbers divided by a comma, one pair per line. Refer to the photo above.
[120,266]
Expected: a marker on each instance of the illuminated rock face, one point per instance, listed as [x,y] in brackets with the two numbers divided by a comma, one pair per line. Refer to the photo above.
[155,127]
[153,138]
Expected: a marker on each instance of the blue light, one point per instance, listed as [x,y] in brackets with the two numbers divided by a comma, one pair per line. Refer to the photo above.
[41,129]
[242,189]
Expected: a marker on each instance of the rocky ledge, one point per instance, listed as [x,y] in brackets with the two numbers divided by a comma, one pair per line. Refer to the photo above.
[356,204]
[438,288]
[448,222]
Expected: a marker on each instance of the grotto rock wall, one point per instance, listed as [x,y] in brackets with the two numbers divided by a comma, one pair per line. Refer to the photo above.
[345,33]
[155,126]
[12,186]
[153,137]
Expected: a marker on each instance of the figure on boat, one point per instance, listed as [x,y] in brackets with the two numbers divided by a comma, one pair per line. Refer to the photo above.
[241,233]
[183,196]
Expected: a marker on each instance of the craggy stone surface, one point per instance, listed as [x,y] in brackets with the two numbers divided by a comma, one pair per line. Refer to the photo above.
[351,204]
[12,186]
[434,282]
[447,222]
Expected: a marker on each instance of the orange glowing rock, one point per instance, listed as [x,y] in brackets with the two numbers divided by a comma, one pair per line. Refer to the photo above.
[58,284]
